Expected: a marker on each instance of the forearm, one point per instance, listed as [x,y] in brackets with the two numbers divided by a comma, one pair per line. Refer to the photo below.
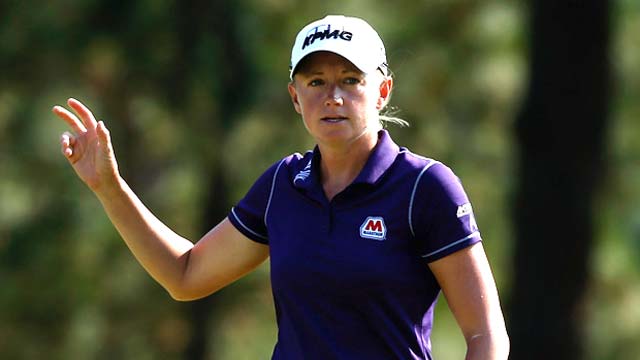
[489,346]
[161,251]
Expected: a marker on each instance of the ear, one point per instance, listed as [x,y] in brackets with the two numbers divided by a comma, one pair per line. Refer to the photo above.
[385,92]
[294,97]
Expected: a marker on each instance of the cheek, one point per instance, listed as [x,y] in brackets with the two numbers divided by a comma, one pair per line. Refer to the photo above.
[309,99]
[372,101]
[309,104]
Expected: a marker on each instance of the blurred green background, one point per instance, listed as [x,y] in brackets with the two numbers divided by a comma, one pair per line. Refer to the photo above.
[195,96]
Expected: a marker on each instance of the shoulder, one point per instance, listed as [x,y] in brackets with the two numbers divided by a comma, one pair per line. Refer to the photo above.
[297,161]
[424,167]
[296,165]
[432,178]
[290,164]
[286,170]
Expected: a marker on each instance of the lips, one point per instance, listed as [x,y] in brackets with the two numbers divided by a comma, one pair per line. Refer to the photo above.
[334,119]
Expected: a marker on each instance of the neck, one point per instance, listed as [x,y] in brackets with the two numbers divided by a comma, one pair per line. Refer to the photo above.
[340,165]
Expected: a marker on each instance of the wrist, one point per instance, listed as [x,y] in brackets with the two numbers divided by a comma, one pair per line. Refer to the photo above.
[111,189]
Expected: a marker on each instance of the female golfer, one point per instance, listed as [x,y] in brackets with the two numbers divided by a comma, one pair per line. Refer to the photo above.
[362,234]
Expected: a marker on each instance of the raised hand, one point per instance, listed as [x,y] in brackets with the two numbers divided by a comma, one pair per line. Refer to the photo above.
[88,148]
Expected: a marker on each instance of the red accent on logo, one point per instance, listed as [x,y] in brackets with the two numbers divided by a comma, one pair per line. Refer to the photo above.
[373,228]
[374,225]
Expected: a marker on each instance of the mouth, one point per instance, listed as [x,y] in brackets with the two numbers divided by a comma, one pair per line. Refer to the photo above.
[334,119]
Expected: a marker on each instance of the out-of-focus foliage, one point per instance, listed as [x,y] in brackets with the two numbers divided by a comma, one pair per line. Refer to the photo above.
[70,288]
[615,317]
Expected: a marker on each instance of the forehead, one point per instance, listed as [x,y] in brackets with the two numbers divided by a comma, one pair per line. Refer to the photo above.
[319,61]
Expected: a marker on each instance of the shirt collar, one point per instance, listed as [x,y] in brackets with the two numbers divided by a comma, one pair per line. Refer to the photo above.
[380,159]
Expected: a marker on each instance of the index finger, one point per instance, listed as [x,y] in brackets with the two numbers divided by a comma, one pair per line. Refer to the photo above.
[84,113]
[70,119]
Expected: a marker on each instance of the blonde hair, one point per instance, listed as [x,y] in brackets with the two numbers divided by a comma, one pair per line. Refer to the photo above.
[388,118]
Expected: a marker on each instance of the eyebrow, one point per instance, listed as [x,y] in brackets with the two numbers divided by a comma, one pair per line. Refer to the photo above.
[319,72]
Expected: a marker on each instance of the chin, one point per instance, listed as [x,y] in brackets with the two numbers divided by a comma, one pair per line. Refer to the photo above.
[343,137]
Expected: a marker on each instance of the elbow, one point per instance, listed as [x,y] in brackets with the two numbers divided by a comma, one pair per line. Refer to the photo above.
[496,343]
[179,296]
[183,294]
[503,341]
[507,344]
[502,345]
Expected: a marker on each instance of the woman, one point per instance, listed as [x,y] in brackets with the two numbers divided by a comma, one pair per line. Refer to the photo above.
[362,234]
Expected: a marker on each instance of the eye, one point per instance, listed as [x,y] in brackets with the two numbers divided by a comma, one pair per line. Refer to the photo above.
[316,82]
[352,81]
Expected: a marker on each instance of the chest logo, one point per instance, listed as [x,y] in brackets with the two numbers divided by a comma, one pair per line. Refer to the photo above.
[373,228]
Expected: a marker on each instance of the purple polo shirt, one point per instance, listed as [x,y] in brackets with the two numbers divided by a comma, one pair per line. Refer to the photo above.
[350,276]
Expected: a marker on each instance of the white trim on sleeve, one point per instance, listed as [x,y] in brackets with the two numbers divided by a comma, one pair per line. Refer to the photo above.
[413,193]
[474,234]
[273,185]
[233,212]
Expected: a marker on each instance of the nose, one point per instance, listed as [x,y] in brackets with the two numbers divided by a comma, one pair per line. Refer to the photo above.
[334,97]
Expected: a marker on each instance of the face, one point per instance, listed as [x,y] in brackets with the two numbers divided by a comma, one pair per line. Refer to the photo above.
[339,104]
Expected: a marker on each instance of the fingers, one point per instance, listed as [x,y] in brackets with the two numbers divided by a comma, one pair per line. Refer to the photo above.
[83,122]
[84,113]
[66,142]
[70,119]
[103,136]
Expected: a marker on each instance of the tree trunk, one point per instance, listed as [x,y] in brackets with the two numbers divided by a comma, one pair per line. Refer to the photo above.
[205,22]
[561,138]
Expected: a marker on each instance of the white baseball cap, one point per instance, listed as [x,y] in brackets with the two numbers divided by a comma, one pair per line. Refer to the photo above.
[350,37]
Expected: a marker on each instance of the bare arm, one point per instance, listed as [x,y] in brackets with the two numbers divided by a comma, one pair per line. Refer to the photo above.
[468,285]
[186,270]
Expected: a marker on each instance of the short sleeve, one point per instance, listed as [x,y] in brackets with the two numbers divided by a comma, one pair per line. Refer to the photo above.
[248,216]
[441,214]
